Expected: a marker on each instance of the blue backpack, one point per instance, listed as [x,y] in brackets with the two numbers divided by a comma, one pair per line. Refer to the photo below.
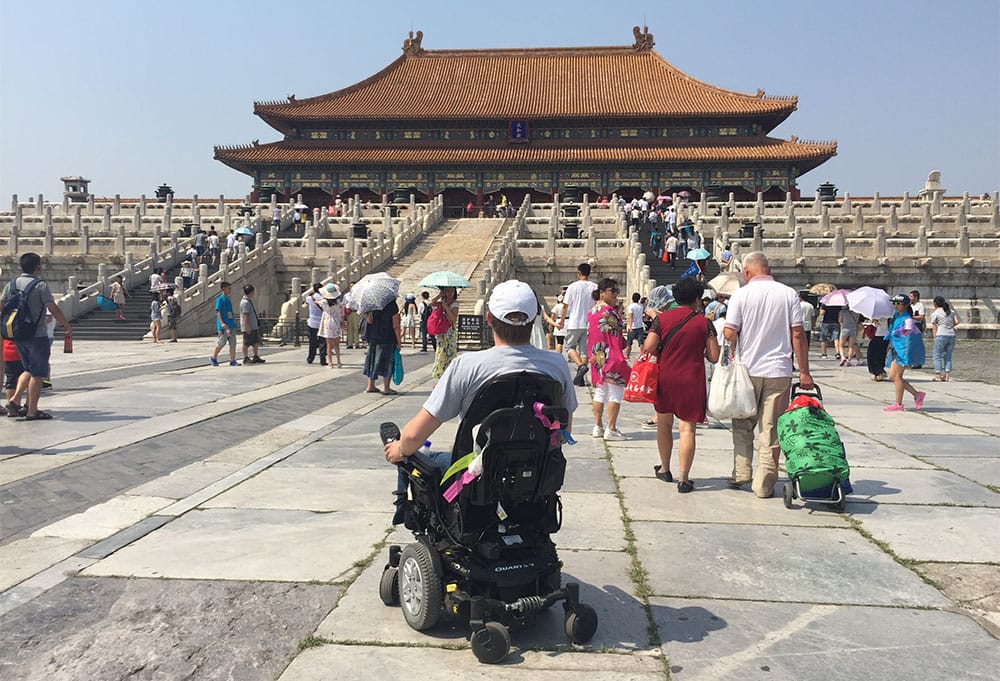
[16,318]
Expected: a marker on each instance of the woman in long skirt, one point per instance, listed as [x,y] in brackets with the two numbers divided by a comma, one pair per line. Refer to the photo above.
[447,342]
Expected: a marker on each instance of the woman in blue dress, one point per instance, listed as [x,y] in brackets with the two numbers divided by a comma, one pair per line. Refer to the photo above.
[906,349]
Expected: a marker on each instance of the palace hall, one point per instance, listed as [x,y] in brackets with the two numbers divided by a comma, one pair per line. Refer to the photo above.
[472,124]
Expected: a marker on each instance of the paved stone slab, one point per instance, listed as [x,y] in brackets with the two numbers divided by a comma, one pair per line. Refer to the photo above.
[588,475]
[943,445]
[312,489]
[864,452]
[22,466]
[713,502]
[919,487]
[185,481]
[984,470]
[604,584]
[365,663]
[23,558]
[775,563]
[87,628]
[103,520]
[590,521]
[706,640]
[975,587]
[286,546]
[968,535]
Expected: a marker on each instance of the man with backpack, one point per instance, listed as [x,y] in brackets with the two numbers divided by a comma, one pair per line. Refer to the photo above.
[25,300]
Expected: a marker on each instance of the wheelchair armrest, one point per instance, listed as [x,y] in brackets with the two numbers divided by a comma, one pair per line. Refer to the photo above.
[420,463]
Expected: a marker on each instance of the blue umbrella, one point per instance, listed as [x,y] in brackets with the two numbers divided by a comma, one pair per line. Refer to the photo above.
[244,230]
[698,254]
[444,279]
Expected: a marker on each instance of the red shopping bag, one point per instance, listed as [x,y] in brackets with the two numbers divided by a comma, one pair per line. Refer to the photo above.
[643,379]
[665,257]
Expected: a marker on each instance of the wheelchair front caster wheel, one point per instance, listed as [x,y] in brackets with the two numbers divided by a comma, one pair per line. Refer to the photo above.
[581,623]
[491,643]
[388,586]
[787,494]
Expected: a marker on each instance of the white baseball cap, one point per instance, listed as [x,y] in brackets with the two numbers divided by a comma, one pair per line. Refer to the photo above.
[513,296]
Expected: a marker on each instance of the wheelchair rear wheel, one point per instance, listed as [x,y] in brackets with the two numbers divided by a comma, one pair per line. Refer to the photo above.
[419,588]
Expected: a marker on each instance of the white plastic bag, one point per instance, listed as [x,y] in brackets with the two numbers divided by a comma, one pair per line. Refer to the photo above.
[731,394]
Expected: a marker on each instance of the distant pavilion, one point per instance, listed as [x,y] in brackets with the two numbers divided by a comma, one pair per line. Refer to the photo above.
[472,124]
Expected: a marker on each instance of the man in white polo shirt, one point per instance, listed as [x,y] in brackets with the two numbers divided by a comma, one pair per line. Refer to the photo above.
[577,303]
[765,318]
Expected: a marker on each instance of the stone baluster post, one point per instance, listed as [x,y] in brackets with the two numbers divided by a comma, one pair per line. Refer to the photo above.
[963,236]
[838,241]
[966,203]
[49,230]
[859,222]
[203,273]
[759,205]
[927,221]
[732,205]
[13,203]
[702,204]
[196,212]
[921,247]
[116,206]
[591,244]
[102,277]
[223,262]
[154,242]
[788,201]
[817,204]
[995,212]
[129,269]
[310,238]
[142,205]
[90,205]
[40,205]
[847,206]
[797,242]
[77,217]
[876,204]
[106,221]
[824,219]
[880,238]
[758,237]
[790,221]
[65,205]
[893,221]
[936,202]
[74,299]
[905,208]
[227,220]
[15,232]
[588,221]
[84,239]
[174,243]
[724,222]
[241,256]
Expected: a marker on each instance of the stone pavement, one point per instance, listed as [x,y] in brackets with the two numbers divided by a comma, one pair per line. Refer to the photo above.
[181,521]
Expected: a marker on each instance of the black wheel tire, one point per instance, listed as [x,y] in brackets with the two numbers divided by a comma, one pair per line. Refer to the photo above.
[388,587]
[419,588]
[786,493]
[581,623]
[491,643]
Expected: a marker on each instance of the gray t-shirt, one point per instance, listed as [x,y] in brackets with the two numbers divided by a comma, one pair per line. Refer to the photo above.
[39,297]
[246,308]
[453,394]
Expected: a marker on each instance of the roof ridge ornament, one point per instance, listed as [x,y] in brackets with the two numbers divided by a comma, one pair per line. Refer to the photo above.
[411,45]
[643,39]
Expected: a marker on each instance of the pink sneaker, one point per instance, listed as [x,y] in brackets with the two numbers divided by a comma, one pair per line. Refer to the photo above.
[893,407]
[919,399]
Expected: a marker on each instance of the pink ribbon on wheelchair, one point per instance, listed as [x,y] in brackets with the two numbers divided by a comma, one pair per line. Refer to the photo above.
[554,426]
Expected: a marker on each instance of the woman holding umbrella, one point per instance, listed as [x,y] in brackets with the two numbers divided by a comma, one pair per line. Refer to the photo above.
[445,303]
[906,349]
[384,335]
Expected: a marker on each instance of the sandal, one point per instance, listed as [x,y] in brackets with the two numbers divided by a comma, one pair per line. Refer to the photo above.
[373,390]
[39,416]
[665,476]
[390,391]
[14,411]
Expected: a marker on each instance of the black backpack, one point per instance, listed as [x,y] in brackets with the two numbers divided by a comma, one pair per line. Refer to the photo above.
[17,322]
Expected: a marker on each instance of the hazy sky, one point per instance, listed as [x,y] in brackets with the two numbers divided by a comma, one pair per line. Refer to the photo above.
[133,93]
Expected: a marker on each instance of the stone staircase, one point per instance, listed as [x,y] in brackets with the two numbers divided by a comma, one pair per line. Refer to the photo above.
[104,325]
[662,272]
[458,245]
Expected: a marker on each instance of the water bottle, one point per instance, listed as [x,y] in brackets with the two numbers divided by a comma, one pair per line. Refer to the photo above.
[426,449]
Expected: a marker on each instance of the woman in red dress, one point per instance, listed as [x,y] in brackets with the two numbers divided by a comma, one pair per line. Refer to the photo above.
[681,386]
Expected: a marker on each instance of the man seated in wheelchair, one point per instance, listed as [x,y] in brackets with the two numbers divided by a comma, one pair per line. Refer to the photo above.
[511,369]
[482,513]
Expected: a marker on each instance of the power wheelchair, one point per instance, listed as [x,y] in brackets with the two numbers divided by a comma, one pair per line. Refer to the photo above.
[487,556]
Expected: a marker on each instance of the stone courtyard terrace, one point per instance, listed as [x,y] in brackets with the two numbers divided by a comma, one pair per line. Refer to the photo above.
[181,521]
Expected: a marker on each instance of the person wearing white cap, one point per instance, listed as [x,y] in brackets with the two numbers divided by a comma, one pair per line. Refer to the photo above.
[510,312]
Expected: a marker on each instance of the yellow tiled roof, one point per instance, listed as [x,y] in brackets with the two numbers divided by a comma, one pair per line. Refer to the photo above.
[603,82]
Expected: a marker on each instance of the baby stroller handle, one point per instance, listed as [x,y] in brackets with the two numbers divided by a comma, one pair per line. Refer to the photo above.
[797,390]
